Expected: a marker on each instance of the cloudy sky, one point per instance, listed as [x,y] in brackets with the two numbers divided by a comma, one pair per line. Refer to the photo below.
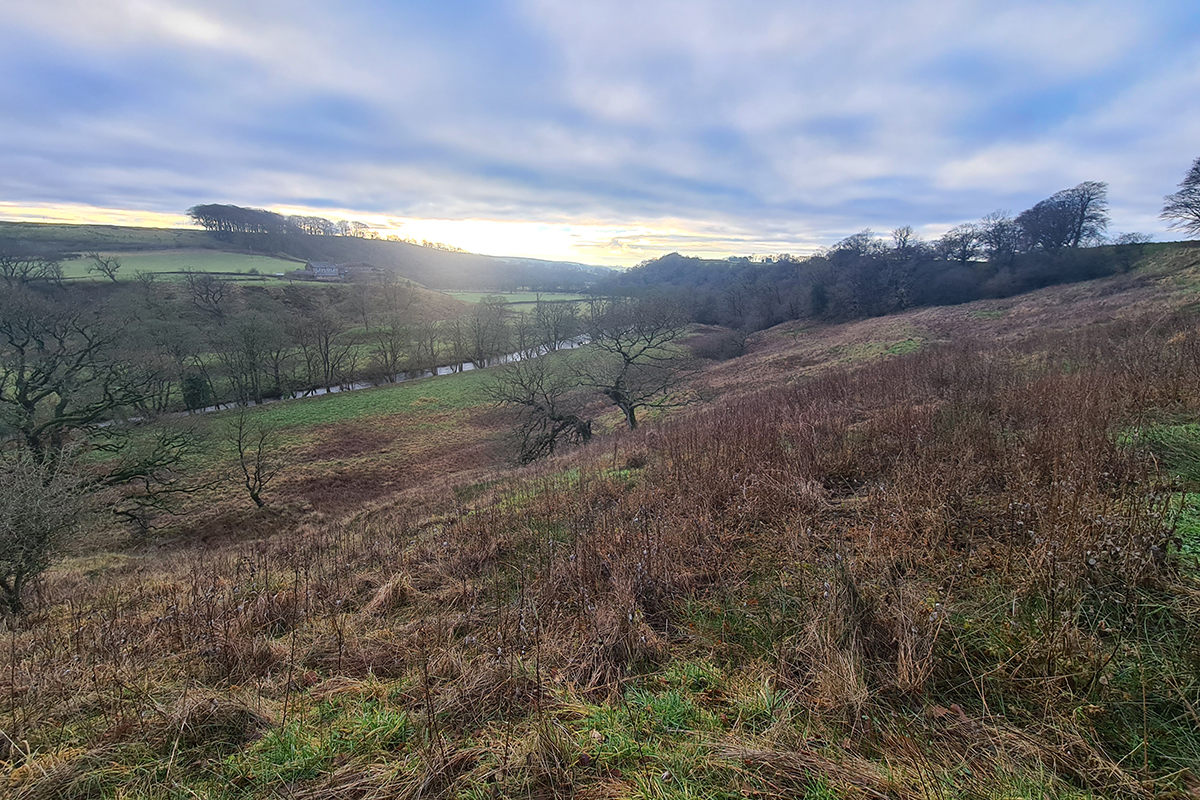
[604,131]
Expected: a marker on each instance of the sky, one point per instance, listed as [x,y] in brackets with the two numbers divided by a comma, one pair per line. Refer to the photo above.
[605,131]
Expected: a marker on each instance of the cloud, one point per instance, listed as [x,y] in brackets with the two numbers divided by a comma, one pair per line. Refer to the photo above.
[645,123]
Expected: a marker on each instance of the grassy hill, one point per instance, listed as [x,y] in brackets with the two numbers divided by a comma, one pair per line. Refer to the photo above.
[948,553]
[157,247]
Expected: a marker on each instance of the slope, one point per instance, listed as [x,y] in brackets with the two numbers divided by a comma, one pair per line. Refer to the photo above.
[435,268]
[928,555]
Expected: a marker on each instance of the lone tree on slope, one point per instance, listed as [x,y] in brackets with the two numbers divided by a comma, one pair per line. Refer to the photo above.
[1183,207]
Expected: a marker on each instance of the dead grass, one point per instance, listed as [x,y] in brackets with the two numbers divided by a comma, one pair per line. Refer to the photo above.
[942,572]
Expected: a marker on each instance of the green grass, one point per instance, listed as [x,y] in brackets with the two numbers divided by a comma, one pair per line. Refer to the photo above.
[114,238]
[870,351]
[515,297]
[903,347]
[1177,447]
[444,393]
[1187,525]
[174,261]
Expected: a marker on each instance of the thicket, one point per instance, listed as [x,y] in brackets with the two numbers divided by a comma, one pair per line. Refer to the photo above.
[956,573]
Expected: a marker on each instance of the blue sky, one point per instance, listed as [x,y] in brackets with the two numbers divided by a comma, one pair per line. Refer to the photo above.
[606,131]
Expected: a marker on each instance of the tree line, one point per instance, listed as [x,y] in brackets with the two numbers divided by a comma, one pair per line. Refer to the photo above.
[1055,241]
[226,220]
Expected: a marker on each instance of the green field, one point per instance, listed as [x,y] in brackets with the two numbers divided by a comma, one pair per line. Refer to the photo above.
[516,297]
[114,238]
[447,392]
[180,260]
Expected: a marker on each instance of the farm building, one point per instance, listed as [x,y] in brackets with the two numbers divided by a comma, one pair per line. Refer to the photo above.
[328,272]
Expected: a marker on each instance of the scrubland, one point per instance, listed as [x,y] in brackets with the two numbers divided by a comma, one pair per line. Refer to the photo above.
[951,553]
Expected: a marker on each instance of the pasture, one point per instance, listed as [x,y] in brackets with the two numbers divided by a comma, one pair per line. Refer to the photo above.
[166,262]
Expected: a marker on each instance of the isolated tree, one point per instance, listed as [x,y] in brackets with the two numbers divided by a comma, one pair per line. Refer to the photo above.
[108,266]
[1183,206]
[256,445]
[42,502]
[633,359]
[544,393]
[1070,218]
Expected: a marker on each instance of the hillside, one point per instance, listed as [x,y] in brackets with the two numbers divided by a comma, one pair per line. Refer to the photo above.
[437,269]
[946,553]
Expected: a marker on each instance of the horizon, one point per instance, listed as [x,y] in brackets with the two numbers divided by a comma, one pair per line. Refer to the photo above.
[603,135]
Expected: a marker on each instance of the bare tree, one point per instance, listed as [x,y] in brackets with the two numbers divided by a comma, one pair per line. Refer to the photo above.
[18,267]
[863,243]
[633,360]
[1183,207]
[962,243]
[1000,237]
[545,395]
[391,345]
[394,293]
[905,239]
[556,322]
[319,337]
[108,266]
[427,339]
[248,348]
[257,447]
[146,280]
[208,292]
[487,329]
[62,368]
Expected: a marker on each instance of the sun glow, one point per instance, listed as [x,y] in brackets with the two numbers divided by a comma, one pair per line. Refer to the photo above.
[580,241]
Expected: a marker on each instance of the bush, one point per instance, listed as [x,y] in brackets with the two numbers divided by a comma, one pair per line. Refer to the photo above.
[42,501]
[718,345]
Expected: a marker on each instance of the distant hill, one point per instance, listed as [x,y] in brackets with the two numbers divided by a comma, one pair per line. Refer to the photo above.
[437,269]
